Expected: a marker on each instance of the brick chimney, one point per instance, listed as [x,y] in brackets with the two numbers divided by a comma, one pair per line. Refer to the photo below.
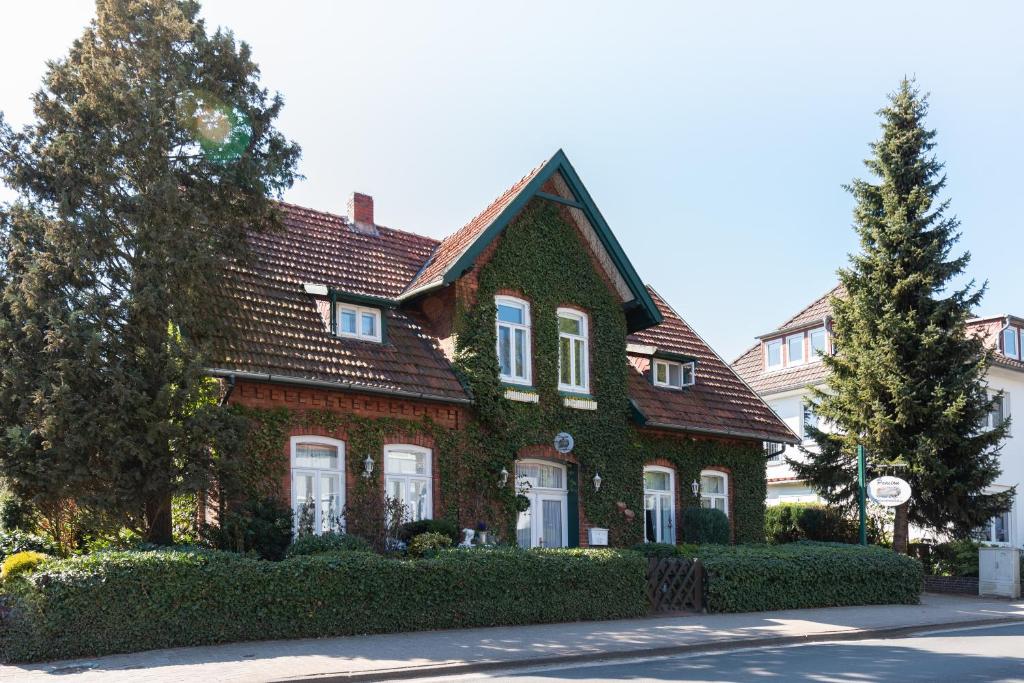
[360,213]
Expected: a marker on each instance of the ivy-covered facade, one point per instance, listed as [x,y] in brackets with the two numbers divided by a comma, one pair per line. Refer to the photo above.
[516,376]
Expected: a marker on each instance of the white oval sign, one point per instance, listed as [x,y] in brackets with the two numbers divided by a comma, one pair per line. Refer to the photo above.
[889,491]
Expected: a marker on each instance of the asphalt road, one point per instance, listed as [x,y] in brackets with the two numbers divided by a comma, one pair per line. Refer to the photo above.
[992,653]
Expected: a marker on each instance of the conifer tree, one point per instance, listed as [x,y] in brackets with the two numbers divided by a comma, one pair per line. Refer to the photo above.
[152,154]
[907,379]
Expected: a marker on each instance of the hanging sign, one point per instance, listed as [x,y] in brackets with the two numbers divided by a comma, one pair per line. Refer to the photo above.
[889,491]
[564,443]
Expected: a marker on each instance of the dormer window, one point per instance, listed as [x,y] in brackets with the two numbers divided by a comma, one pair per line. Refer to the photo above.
[795,349]
[513,333]
[673,375]
[359,322]
[819,343]
[773,354]
[1010,346]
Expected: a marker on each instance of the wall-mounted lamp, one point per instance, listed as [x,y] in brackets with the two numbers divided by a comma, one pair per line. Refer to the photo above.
[695,487]
[597,481]
[368,467]
[502,478]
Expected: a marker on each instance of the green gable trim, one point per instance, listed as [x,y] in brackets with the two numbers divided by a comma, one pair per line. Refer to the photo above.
[641,312]
[559,200]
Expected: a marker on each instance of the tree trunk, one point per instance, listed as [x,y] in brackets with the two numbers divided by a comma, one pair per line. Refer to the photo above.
[158,520]
[901,529]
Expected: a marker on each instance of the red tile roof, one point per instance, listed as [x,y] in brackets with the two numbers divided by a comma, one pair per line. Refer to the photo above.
[750,365]
[456,244]
[719,402]
[277,329]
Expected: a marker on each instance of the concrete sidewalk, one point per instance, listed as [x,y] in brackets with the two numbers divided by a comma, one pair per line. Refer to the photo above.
[408,655]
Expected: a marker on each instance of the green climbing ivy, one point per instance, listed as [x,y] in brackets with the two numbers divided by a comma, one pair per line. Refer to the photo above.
[560,273]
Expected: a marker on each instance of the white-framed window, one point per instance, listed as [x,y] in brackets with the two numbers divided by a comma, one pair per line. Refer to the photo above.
[407,477]
[714,490]
[359,322]
[659,505]
[674,375]
[1000,411]
[318,484]
[996,532]
[1010,346]
[573,363]
[545,523]
[513,333]
[795,349]
[773,452]
[818,342]
[773,354]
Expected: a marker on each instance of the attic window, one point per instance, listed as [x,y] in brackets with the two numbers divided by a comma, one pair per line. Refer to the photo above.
[359,322]
[672,375]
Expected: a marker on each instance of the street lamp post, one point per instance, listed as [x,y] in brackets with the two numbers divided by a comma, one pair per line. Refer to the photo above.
[861,491]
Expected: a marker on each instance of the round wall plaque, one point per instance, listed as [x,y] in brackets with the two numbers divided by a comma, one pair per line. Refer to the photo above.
[564,443]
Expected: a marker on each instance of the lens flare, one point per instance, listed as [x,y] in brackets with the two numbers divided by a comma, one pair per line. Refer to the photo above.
[222,133]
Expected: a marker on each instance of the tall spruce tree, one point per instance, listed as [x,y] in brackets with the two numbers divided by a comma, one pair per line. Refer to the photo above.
[907,381]
[153,153]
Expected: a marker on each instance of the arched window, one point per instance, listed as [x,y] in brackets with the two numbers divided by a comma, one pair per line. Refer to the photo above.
[543,524]
[714,490]
[513,332]
[659,505]
[317,479]
[407,477]
[573,363]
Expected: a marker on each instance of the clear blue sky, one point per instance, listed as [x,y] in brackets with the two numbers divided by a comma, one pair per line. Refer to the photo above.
[713,136]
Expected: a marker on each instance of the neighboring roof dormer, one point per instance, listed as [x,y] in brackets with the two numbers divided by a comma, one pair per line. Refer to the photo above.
[458,252]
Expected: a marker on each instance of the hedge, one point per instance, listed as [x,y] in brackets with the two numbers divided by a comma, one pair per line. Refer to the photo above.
[755,578]
[789,522]
[129,601]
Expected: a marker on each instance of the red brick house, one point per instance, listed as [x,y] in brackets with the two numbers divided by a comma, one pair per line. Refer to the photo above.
[463,360]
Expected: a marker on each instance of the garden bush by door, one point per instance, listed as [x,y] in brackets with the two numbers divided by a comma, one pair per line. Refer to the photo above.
[543,525]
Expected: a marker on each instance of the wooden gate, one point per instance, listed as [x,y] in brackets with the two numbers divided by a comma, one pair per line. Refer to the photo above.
[675,584]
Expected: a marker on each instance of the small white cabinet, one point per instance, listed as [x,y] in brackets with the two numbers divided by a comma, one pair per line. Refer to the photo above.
[999,572]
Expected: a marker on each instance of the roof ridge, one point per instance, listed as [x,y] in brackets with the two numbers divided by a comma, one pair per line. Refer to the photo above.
[810,306]
[344,219]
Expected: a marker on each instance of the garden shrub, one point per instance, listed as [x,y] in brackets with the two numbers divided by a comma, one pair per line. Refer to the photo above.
[658,550]
[791,522]
[260,526]
[955,558]
[705,526]
[21,563]
[753,578]
[427,545]
[130,601]
[410,530]
[14,541]
[16,514]
[329,542]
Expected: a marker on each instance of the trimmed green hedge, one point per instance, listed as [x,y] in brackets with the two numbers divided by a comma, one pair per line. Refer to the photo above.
[755,578]
[790,522]
[130,601]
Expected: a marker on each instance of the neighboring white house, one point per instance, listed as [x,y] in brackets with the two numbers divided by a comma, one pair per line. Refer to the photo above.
[784,363]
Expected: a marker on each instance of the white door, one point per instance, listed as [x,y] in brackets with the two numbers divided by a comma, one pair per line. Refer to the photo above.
[659,505]
[544,524]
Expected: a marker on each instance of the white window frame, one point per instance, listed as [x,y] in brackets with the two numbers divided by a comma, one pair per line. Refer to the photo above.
[803,352]
[583,387]
[671,493]
[715,496]
[316,472]
[359,312]
[667,384]
[989,423]
[527,378]
[535,494]
[406,479]
[990,527]
[767,355]
[813,355]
